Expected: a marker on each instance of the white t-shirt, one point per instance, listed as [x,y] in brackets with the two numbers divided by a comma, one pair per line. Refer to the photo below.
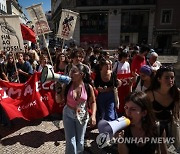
[122,68]
[41,68]
[156,66]
[140,87]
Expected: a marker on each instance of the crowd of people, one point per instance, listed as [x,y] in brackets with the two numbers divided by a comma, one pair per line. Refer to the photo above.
[151,101]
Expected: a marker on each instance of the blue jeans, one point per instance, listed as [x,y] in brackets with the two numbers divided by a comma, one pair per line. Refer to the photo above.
[74,132]
[106,106]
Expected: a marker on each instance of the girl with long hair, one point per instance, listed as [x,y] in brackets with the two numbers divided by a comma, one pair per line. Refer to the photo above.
[61,63]
[78,96]
[143,126]
[104,82]
[164,96]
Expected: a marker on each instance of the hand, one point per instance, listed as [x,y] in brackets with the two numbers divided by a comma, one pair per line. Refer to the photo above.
[59,100]
[20,71]
[119,83]
[93,121]
[100,89]
[133,79]
[58,87]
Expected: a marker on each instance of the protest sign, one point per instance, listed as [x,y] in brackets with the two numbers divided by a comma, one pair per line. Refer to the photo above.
[38,19]
[10,33]
[67,24]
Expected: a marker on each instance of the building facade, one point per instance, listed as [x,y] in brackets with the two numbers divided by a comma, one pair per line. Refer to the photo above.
[167,26]
[14,8]
[3,8]
[110,23]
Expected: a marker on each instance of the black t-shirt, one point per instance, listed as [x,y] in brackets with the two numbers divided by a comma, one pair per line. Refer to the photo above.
[147,148]
[99,83]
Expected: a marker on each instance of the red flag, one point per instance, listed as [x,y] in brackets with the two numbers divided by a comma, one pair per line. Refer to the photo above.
[28,33]
[29,101]
[123,90]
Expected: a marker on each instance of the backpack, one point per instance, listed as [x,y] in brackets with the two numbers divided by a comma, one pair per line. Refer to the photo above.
[137,81]
[115,71]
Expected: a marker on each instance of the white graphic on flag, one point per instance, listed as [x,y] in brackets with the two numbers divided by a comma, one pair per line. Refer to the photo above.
[67,24]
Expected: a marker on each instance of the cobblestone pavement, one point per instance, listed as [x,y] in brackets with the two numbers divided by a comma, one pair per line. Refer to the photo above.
[45,136]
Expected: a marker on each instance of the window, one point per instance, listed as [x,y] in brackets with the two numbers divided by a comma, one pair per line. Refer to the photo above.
[94,23]
[166,16]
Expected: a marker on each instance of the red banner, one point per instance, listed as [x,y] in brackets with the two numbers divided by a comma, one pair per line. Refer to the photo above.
[31,100]
[123,90]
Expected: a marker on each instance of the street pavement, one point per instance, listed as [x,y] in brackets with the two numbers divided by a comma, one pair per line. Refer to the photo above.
[43,136]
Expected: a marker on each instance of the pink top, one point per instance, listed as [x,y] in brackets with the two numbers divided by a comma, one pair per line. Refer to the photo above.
[71,100]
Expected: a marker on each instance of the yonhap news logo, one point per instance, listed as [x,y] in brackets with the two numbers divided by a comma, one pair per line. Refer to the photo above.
[103,140]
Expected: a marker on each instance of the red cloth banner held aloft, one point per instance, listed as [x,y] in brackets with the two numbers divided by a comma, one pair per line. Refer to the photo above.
[28,33]
[29,101]
[123,90]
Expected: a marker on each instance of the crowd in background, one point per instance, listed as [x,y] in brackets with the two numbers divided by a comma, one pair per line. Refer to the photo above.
[149,78]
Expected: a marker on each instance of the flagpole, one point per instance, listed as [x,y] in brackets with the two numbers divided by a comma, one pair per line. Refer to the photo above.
[62,45]
[43,36]
[13,52]
[16,67]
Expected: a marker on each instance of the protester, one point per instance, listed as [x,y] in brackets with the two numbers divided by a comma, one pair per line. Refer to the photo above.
[3,71]
[24,68]
[34,58]
[145,78]
[61,63]
[139,60]
[43,62]
[94,59]
[139,110]
[89,53]
[11,71]
[122,65]
[122,69]
[153,62]
[104,82]
[81,54]
[164,96]
[77,58]
[106,55]
[133,53]
[78,95]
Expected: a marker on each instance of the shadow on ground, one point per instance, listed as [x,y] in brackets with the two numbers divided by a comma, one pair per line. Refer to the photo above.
[35,139]
[18,123]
